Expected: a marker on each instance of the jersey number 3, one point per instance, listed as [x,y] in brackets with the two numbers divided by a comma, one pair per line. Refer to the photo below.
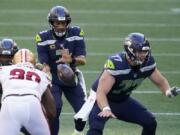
[21,74]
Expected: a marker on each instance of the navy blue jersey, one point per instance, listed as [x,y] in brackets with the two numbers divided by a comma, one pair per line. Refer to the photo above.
[126,77]
[49,47]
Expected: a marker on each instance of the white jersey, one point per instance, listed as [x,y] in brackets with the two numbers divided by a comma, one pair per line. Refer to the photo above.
[23,78]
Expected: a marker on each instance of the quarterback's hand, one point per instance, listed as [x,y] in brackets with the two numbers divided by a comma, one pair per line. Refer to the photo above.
[39,66]
[106,113]
[172,92]
[65,56]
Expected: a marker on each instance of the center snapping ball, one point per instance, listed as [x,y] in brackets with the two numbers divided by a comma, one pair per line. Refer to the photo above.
[66,75]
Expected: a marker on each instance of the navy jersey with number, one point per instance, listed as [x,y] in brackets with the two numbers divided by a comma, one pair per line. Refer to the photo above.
[49,47]
[127,78]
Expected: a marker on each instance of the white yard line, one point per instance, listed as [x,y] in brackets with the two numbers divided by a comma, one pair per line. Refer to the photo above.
[154,54]
[147,92]
[94,24]
[125,1]
[121,39]
[102,39]
[92,11]
[97,72]
[176,10]
[89,24]
[155,113]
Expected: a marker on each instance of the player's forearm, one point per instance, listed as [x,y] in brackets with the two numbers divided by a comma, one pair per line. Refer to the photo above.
[164,85]
[106,82]
[159,80]
[102,100]
[49,103]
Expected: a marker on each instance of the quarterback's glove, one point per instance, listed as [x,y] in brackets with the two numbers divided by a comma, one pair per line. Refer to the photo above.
[39,66]
[172,92]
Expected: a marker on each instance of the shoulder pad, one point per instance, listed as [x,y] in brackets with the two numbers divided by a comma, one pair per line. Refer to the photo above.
[38,38]
[44,36]
[115,62]
[76,30]
[109,64]
[150,60]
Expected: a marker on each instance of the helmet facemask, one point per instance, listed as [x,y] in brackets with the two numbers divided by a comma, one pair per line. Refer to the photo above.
[59,28]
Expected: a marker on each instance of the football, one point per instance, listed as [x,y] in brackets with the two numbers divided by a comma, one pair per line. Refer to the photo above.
[66,75]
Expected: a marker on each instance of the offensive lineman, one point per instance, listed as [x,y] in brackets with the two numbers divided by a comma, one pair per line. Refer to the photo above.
[123,73]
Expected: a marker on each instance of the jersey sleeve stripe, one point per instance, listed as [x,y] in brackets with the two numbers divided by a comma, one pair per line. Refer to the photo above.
[47,42]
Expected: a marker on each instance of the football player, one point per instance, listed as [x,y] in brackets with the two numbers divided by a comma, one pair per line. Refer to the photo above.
[24,88]
[8,47]
[63,43]
[123,73]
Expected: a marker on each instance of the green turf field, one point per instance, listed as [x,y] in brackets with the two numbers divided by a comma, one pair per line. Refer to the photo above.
[106,23]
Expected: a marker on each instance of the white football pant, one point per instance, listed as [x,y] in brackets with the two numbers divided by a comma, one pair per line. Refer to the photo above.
[26,111]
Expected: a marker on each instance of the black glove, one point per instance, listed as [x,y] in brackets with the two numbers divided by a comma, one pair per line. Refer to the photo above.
[173,91]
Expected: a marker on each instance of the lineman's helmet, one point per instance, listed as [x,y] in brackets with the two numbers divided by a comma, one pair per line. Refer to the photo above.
[8,48]
[24,55]
[134,43]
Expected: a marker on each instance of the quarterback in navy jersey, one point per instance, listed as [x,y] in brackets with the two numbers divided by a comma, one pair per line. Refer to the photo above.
[63,43]
[123,73]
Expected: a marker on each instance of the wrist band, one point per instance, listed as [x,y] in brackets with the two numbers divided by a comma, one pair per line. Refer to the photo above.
[107,108]
[168,93]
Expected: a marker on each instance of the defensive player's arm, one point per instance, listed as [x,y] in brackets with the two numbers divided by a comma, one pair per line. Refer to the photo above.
[49,103]
[106,82]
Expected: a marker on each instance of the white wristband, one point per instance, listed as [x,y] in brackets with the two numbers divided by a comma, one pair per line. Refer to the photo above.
[168,93]
[106,108]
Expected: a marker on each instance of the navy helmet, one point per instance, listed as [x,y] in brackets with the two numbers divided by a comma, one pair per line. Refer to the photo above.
[136,42]
[59,13]
[8,48]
